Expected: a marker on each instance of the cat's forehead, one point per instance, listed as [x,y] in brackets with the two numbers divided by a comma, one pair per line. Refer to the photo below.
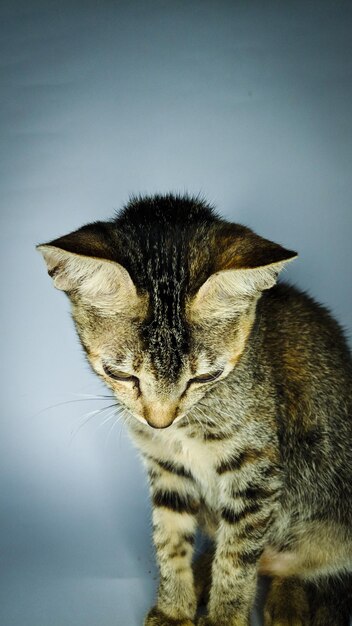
[167,344]
[166,240]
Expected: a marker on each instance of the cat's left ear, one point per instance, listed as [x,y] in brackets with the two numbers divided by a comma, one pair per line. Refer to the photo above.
[246,264]
[79,264]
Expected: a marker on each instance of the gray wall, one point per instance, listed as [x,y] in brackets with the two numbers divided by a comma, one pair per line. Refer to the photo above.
[248,103]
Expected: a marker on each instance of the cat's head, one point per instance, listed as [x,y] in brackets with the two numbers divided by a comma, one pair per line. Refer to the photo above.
[163,297]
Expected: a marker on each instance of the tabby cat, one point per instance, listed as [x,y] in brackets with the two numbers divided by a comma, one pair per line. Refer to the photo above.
[237,392]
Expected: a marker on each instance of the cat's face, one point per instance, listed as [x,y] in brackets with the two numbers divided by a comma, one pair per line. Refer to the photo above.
[119,353]
[164,300]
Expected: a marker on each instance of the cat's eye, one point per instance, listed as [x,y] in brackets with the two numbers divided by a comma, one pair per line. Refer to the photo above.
[117,374]
[206,378]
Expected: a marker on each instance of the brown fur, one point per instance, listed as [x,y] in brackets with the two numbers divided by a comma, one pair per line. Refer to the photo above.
[238,396]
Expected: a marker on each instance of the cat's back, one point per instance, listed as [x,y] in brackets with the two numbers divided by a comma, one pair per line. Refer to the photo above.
[311,368]
[301,334]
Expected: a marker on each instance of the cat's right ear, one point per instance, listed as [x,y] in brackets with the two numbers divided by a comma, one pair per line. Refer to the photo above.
[245,265]
[97,281]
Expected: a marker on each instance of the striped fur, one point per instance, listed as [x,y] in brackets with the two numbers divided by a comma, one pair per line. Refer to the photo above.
[238,394]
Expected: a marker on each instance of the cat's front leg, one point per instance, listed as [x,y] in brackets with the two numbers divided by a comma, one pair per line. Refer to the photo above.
[248,507]
[175,505]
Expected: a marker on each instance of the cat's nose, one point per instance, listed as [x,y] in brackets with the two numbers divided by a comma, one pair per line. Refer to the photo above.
[160,414]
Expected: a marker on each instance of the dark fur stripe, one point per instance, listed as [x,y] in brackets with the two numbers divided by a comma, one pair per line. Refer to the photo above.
[228,515]
[233,517]
[240,460]
[249,456]
[256,492]
[168,466]
[229,465]
[175,501]
[270,471]
[216,436]
[236,462]
[153,475]
[257,529]
[189,539]
[251,557]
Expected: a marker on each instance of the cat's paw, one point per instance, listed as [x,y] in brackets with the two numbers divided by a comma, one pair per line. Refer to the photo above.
[156,617]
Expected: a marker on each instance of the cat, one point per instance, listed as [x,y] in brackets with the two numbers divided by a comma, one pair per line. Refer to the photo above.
[236,389]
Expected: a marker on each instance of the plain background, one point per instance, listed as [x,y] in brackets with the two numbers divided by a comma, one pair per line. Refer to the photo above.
[248,103]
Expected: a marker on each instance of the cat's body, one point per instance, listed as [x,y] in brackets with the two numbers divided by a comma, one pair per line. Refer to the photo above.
[242,394]
[311,451]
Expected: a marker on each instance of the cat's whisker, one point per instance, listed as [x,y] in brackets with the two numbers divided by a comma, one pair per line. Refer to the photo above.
[215,420]
[110,431]
[118,419]
[54,406]
[92,396]
[96,412]
[206,417]
[126,417]
[129,418]
[107,419]
[200,424]
[88,417]
[206,420]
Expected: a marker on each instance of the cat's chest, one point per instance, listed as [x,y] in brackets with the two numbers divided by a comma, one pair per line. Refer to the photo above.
[199,457]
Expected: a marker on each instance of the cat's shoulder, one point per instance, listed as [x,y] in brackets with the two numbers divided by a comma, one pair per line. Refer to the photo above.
[292,315]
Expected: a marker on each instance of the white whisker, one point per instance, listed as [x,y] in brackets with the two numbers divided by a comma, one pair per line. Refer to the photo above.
[54,406]
[94,396]
[88,416]
[118,419]
[107,419]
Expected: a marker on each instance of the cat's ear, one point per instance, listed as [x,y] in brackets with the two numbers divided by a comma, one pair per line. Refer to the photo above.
[244,267]
[77,265]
